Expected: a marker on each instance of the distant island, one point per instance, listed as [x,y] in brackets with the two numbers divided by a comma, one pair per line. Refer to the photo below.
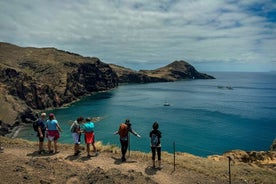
[34,79]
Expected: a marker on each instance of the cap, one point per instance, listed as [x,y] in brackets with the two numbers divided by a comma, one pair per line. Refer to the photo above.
[51,115]
[43,114]
[127,122]
[88,119]
[80,119]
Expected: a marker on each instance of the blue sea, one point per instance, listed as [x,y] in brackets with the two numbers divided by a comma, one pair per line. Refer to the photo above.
[205,117]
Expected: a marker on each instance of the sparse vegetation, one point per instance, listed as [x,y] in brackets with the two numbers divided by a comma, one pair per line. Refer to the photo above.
[189,168]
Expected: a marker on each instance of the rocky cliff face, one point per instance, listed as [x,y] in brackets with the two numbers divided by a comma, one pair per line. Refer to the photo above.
[33,79]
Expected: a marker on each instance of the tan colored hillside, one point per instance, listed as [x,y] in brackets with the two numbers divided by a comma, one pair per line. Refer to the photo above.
[20,163]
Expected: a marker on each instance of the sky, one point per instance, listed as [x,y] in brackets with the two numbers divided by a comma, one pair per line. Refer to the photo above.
[212,35]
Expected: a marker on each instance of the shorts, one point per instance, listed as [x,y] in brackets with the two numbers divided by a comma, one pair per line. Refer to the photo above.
[41,139]
[76,138]
[89,137]
[52,135]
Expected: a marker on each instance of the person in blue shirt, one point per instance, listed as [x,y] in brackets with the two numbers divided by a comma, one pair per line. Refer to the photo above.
[53,133]
[89,136]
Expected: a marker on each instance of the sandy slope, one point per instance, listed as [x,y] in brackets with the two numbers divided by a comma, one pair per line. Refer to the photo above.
[20,163]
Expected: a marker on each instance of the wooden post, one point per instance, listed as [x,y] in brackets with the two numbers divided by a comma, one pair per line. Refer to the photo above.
[128,139]
[174,156]
[229,165]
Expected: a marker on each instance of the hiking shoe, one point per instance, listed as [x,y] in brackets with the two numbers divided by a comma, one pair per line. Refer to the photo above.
[123,159]
[76,153]
[41,151]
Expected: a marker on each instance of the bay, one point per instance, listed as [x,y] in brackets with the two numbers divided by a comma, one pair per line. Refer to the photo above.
[205,117]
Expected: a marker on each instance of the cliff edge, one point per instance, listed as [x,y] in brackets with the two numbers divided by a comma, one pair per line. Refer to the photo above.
[21,163]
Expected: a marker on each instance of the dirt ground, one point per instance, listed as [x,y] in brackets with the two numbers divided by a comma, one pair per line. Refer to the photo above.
[21,163]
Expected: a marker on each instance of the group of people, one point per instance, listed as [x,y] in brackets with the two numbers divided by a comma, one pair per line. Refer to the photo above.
[51,129]
[87,127]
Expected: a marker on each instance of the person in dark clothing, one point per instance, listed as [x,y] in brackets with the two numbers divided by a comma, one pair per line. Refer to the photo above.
[123,131]
[41,132]
[155,136]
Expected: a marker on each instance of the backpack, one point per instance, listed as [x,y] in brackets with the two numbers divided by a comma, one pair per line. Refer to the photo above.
[123,130]
[35,125]
[74,127]
[154,140]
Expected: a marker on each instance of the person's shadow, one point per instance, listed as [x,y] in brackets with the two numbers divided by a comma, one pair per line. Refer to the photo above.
[72,157]
[118,161]
[150,170]
[36,154]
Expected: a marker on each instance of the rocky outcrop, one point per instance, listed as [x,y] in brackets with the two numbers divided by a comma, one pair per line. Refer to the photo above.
[273,146]
[127,75]
[33,79]
[88,78]
[177,70]
[252,157]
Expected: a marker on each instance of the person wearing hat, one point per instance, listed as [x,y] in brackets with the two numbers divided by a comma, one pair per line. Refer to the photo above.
[41,132]
[53,133]
[124,128]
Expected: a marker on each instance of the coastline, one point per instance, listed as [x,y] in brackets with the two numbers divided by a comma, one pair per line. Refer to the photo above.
[16,130]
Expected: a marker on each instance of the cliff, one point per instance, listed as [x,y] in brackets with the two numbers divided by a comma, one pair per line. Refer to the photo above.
[177,70]
[34,79]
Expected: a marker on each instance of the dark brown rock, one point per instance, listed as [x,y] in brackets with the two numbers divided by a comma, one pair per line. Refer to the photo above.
[32,79]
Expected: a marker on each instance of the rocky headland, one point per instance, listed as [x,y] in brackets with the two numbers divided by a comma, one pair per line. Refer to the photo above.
[33,79]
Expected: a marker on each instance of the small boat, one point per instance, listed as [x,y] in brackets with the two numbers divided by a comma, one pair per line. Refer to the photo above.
[225,87]
[166,104]
[229,87]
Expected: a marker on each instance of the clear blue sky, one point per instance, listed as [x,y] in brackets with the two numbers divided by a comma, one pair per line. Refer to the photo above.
[212,35]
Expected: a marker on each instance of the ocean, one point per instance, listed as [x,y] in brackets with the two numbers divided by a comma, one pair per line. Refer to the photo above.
[204,117]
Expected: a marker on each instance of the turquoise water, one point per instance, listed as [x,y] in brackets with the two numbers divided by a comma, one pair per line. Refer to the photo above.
[204,117]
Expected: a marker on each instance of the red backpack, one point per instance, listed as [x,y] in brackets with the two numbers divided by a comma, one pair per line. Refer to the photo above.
[123,130]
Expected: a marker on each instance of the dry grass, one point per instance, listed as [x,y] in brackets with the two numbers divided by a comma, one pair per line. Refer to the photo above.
[212,167]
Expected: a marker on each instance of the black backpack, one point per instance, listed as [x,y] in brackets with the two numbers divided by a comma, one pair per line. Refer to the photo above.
[154,140]
[35,125]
